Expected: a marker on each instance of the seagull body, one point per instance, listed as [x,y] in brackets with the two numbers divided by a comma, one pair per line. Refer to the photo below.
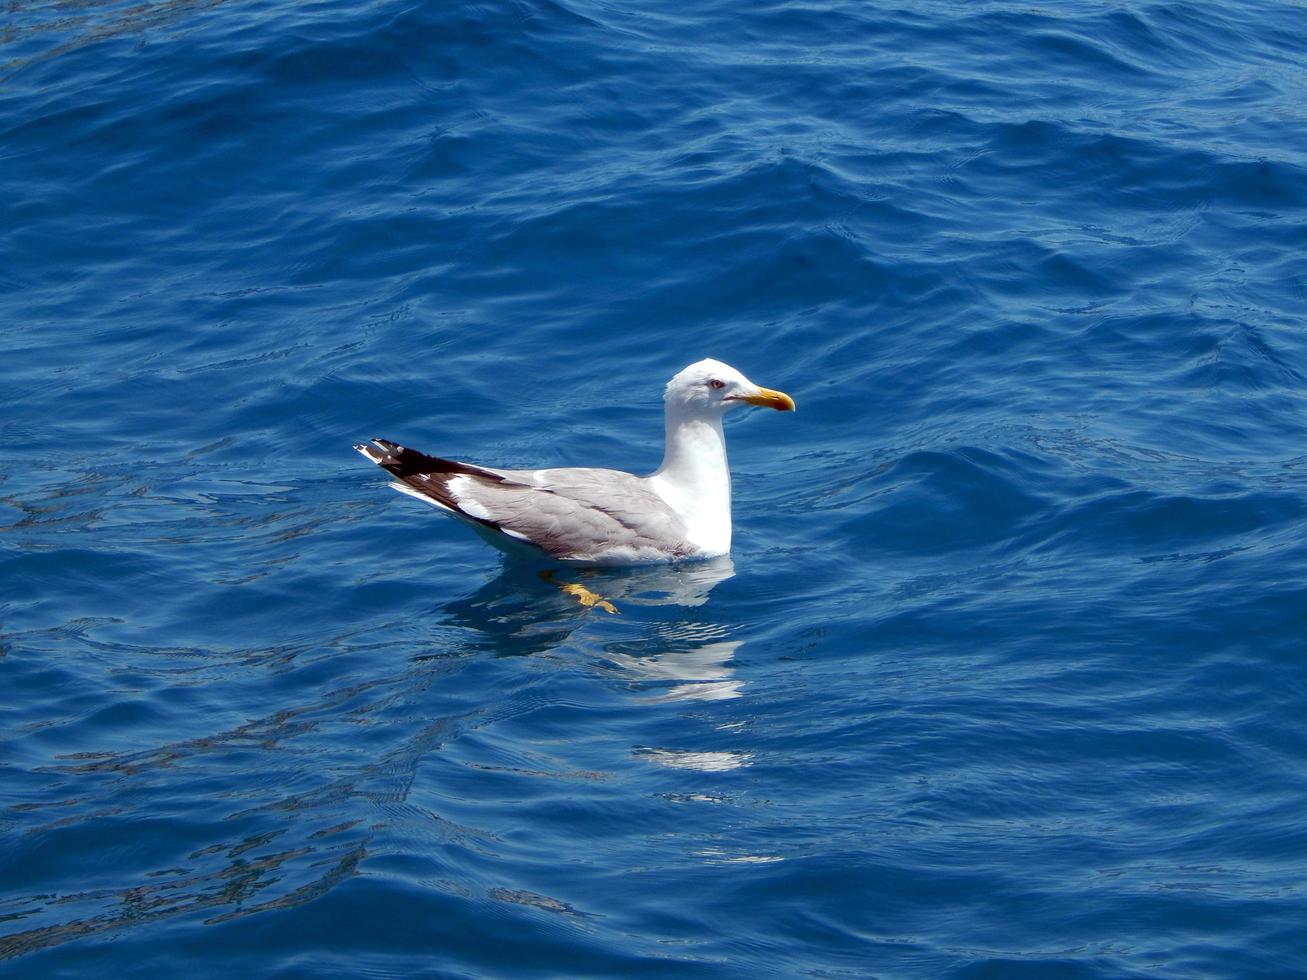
[599,516]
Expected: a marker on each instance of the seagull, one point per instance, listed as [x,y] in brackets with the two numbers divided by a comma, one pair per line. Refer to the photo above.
[581,515]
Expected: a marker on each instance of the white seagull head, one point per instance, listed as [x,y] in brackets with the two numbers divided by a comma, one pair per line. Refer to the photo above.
[709,388]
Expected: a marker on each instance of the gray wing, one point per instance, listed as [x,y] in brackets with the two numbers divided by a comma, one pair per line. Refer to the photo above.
[579,514]
[570,514]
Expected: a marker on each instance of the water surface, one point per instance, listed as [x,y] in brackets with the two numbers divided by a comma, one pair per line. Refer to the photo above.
[1005,675]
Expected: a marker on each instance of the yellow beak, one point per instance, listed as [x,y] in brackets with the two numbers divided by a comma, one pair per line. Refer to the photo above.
[770,399]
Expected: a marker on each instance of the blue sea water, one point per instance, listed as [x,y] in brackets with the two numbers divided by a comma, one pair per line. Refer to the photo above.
[1005,676]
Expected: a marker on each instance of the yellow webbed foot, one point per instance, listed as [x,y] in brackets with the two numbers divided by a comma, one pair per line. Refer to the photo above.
[581,594]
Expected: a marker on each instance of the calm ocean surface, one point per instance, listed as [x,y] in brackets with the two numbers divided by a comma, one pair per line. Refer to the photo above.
[1007,676]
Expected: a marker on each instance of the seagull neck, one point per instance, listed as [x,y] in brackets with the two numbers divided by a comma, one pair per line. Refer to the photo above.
[695,480]
[695,454]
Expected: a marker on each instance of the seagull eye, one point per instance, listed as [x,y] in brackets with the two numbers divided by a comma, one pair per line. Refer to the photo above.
[717,384]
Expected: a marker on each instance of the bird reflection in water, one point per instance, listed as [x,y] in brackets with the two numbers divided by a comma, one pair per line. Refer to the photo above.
[658,648]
